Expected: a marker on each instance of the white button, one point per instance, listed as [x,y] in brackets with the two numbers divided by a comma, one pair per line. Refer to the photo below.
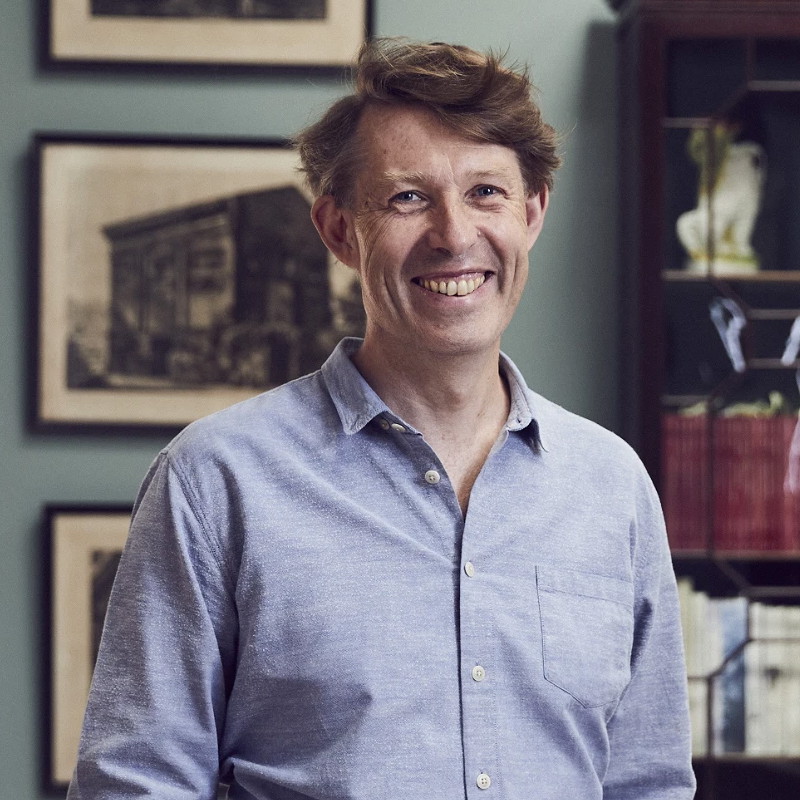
[478,673]
[432,476]
[397,427]
[384,423]
[484,781]
[469,568]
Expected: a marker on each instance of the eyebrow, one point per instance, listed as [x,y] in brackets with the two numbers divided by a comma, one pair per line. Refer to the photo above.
[390,179]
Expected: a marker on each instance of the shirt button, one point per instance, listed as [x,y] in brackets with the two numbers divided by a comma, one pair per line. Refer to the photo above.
[384,423]
[432,476]
[396,426]
[469,568]
[478,673]
[484,781]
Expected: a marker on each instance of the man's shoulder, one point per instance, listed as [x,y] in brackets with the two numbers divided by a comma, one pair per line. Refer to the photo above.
[263,421]
[565,431]
[560,429]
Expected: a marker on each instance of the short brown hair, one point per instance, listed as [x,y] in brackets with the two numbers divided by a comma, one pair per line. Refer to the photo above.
[472,93]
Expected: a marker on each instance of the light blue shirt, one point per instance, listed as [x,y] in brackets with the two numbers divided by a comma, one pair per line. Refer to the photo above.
[303,611]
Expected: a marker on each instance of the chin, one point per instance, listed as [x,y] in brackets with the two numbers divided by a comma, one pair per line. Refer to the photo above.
[453,347]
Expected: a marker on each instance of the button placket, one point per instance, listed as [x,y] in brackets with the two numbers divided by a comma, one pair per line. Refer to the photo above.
[477,652]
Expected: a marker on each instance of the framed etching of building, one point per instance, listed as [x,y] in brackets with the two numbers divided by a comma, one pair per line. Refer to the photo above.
[85,548]
[177,277]
[239,33]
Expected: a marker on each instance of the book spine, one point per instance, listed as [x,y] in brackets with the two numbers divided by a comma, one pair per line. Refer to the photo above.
[684,493]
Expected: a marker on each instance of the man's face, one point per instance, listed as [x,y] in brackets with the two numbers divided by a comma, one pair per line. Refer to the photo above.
[439,232]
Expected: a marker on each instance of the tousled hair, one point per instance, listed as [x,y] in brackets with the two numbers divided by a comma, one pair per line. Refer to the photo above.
[472,93]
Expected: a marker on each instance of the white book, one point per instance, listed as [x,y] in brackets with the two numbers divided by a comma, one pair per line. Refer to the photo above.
[729,714]
[698,687]
[791,720]
[698,715]
[686,594]
[713,628]
[752,685]
[765,681]
[692,606]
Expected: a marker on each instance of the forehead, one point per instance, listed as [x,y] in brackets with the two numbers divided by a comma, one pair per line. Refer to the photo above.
[407,140]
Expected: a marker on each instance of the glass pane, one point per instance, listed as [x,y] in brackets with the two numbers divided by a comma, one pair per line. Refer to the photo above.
[777,60]
[703,74]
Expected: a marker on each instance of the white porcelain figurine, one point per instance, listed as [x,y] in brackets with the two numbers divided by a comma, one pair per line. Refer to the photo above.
[716,234]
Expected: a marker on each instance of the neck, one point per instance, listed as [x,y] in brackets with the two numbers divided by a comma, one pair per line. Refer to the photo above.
[435,390]
[459,402]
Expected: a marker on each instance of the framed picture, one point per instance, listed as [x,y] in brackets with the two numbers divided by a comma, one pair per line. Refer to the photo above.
[85,548]
[176,277]
[243,33]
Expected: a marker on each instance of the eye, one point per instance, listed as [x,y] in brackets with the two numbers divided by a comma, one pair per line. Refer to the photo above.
[408,196]
[487,191]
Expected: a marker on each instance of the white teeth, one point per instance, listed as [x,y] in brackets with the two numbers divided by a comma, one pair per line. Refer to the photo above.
[461,287]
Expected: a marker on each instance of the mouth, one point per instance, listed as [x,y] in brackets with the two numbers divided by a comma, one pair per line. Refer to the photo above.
[459,286]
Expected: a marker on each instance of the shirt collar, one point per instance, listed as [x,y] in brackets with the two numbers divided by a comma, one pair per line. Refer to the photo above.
[357,403]
[522,415]
[355,400]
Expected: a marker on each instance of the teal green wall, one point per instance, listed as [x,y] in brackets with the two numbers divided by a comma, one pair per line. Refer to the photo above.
[564,335]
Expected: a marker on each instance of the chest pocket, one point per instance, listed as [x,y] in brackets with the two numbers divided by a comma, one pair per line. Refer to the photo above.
[587,633]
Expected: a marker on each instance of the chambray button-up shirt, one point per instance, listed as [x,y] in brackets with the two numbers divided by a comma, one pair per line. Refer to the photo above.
[303,611]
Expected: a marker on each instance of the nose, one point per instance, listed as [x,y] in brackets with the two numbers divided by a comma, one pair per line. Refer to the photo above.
[452,229]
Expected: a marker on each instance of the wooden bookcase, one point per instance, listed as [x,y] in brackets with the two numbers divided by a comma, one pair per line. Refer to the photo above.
[710,137]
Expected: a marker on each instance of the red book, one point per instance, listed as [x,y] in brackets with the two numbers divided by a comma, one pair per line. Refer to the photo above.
[728,505]
[774,532]
[685,480]
[791,483]
[751,511]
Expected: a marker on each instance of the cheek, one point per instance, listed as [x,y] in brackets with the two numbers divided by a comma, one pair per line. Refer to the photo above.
[510,243]
[372,232]
[522,276]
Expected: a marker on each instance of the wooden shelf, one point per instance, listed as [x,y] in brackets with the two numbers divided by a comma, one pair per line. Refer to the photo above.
[734,556]
[745,758]
[767,276]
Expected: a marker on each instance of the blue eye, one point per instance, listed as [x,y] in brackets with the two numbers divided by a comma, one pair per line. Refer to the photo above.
[487,191]
[405,197]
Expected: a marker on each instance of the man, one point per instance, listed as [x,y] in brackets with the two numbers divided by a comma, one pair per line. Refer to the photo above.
[405,575]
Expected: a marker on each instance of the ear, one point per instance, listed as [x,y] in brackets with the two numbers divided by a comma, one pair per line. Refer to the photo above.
[336,229]
[535,208]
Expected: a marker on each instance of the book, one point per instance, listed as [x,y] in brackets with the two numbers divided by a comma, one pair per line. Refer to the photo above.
[791,482]
[743,665]
[730,614]
[693,606]
[772,681]
[752,511]
[791,722]
[685,482]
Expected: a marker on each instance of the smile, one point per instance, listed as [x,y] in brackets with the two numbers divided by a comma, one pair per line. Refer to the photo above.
[452,287]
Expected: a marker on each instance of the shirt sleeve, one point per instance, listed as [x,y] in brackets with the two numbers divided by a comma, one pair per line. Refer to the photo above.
[157,702]
[649,736]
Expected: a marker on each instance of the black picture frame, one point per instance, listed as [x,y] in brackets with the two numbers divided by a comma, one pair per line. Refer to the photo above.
[241,34]
[84,546]
[174,277]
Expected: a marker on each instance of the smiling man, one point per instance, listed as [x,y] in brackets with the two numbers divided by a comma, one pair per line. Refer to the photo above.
[439,231]
[407,574]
